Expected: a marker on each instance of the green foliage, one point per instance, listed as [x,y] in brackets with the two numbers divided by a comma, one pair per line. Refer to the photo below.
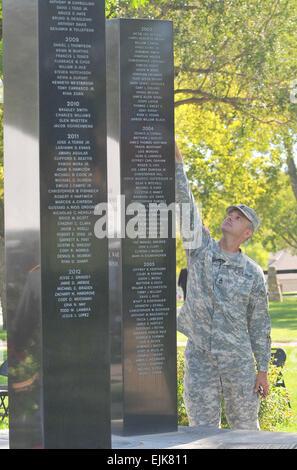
[274,410]
[113,7]
[225,165]
[234,65]
[235,55]
[280,219]
[181,410]
[1,58]
[257,252]
[181,261]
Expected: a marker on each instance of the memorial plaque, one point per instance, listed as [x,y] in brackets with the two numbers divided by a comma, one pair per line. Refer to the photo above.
[141,185]
[57,269]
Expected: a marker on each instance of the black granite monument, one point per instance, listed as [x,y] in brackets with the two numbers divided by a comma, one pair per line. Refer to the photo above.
[140,124]
[57,269]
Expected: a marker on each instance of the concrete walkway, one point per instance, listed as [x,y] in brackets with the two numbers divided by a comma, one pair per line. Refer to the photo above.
[208,438]
[198,438]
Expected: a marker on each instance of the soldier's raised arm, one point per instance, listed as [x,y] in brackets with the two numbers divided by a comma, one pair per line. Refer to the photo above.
[191,228]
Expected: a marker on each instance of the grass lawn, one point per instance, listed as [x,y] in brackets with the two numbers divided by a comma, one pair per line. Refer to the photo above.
[283,320]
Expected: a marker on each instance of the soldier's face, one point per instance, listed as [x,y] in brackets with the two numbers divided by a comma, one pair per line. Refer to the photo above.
[237,225]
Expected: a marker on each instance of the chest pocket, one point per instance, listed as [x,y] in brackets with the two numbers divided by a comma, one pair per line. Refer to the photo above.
[232,286]
[239,288]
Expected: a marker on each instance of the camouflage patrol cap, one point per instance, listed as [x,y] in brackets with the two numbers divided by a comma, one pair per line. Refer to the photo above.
[250,214]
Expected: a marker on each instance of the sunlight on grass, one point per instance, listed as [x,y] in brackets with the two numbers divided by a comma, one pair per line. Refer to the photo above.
[283,320]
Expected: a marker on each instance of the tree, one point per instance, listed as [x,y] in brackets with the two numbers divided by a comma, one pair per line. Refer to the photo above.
[281,221]
[113,7]
[289,140]
[226,163]
[231,52]
[235,63]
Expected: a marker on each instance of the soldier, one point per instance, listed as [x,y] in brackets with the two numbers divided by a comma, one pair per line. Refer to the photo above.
[225,317]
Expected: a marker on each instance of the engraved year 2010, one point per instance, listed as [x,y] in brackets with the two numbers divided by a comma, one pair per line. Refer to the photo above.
[72,103]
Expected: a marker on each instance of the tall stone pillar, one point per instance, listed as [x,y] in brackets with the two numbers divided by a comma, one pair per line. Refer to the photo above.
[275,294]
[57,270]
[141,176]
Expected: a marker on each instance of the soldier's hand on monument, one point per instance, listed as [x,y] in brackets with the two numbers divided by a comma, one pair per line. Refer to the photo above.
[262,384]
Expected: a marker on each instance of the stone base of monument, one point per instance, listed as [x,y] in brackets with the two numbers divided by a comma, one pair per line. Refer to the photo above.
[197,438]
[208,438]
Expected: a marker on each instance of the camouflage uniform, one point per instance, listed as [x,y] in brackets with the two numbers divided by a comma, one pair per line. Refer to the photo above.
[225,317]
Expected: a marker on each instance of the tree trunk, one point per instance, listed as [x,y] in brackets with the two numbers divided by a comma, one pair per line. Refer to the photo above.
[292,169]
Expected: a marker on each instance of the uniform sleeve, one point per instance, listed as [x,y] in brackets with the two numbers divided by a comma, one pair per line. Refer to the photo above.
[259,326]
[192,231]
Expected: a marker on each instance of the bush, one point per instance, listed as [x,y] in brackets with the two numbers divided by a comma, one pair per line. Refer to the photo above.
[274,410]
[182,417]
